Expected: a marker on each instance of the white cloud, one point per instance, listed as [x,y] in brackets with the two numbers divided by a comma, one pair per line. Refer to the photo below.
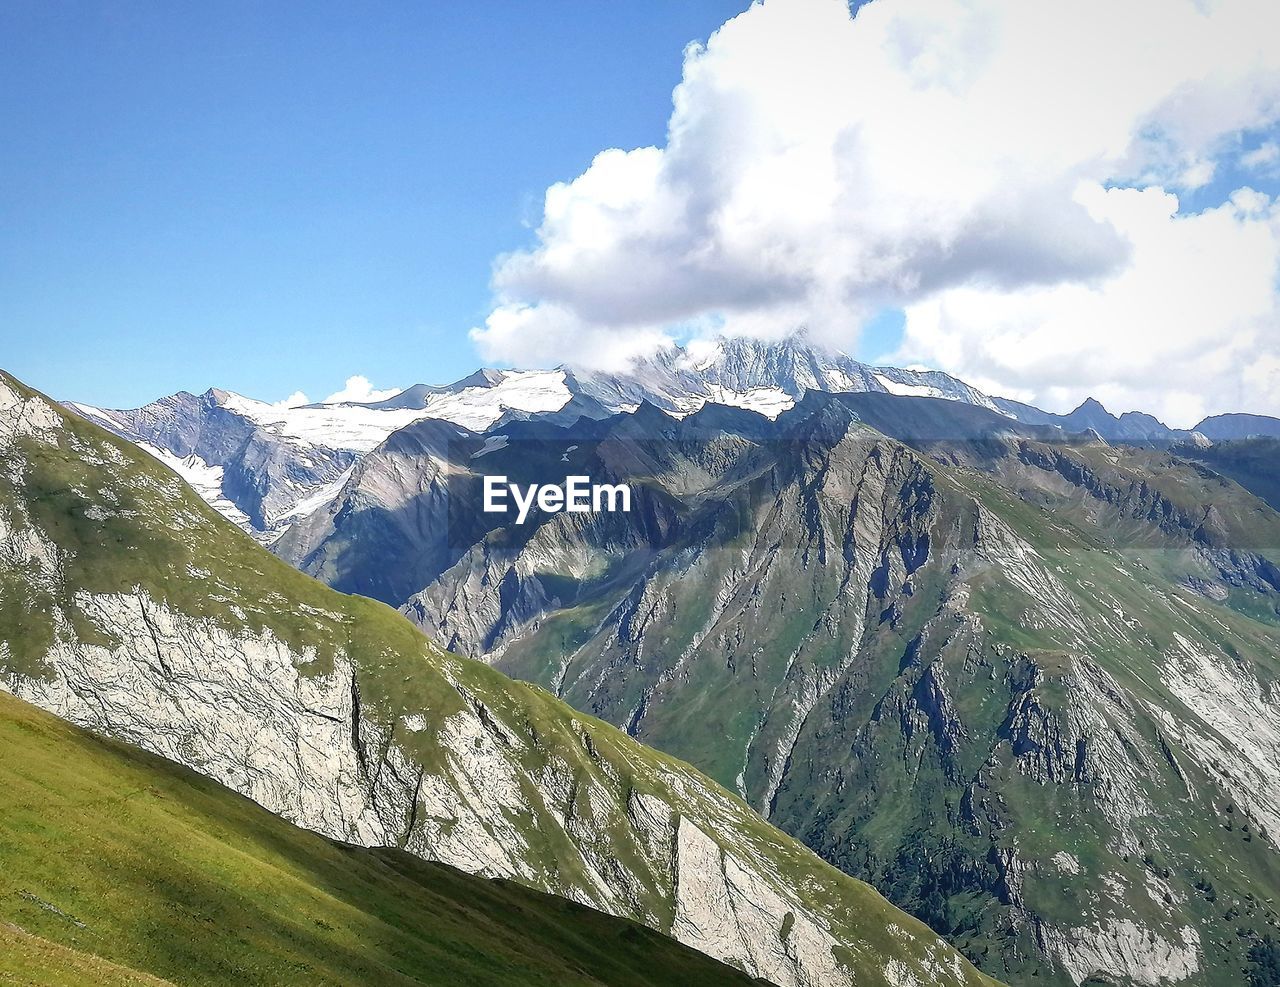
[1175,331]
[295,400]
[1195,175]
[548,333]
[359,389]
[1264,158]
[945,156]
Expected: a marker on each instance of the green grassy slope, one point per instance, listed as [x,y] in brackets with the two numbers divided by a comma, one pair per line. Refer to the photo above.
[31,961]
[116,865]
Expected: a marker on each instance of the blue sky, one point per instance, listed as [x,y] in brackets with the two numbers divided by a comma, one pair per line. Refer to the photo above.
[275,196]
[1048,201]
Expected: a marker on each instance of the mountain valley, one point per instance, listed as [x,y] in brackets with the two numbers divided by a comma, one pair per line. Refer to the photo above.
[133,609]
[1017,670]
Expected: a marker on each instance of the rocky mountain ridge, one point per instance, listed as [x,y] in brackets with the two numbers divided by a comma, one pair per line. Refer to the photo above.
[265,466]
[133,609]
[1023,680]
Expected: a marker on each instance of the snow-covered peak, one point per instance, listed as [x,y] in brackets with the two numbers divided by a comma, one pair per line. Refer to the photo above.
[479,407]
[701,355]
[362,427]
[767,401]
[341,426]
[759,374]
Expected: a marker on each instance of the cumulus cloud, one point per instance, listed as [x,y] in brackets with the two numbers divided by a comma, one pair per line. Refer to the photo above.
[295,400]
[1264,158]
[999,169]
[359,389]
[1175,331]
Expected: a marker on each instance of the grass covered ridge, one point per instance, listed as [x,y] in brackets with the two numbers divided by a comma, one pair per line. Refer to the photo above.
[119,867]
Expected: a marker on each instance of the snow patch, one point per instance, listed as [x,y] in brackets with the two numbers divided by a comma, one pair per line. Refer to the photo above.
[908,390]
[204,479]
[491,444]
[361,428]
[767,401]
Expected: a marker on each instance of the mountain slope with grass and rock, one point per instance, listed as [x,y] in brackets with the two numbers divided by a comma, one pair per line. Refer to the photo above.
[135,610]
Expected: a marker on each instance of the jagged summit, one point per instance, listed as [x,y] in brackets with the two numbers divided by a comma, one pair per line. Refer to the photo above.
[419,395]
[1133,427]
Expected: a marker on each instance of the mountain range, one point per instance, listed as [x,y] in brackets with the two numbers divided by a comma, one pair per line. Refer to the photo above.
[1017,670]
[134,610]
[265,466]
[1022,683]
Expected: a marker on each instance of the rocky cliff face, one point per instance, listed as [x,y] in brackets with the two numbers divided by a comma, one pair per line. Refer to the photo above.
[1027,686]
[132,609]
[255,475]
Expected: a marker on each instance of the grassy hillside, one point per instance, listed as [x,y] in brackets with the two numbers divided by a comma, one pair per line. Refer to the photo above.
[119,867]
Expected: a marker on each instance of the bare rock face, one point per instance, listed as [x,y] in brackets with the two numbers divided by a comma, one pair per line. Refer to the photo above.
[234,707]
[1122,948]
[333,712]
[719,900]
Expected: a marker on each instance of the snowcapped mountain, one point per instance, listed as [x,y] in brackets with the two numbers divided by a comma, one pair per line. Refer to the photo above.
[762,376]
[476,402]
[265,466]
